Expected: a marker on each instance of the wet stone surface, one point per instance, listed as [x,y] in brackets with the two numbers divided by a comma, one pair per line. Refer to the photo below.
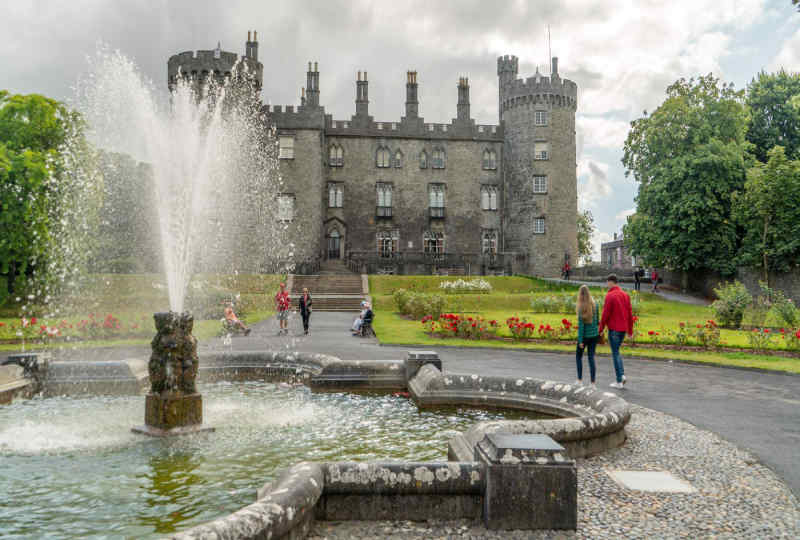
[736,496]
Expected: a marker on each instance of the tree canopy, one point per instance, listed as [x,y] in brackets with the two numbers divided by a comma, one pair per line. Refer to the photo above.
[767,210]
[773,101]
[585,232]
[689,157]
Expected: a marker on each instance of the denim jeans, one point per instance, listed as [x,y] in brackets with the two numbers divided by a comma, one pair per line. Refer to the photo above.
[590,344]
[615,339]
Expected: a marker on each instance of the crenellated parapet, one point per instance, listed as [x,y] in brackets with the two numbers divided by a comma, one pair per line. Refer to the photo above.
[200,65]
[410,128]
[551,90]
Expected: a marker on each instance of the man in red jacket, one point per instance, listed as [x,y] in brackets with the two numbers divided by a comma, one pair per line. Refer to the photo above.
[618,317]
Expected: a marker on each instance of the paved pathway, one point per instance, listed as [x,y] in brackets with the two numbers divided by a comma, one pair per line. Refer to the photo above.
[646,287]
[757,411]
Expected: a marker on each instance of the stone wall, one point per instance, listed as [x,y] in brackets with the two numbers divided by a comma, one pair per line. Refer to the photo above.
[704,282]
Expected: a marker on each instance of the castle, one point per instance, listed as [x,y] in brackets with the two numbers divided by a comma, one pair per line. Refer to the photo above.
[414,197]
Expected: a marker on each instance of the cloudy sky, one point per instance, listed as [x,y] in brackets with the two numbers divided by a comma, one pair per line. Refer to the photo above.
[622,55]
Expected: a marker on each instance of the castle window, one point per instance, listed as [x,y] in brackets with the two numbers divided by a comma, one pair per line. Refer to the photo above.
[540,118]
[379,125]
[438,158]
[541,151]
[538,225]
[286,147]
[539,183]
[398,159]
[335,156]
[286,207]
[433,243]
[489,242]
[384,203]
[489,159]
[335,195]
[383,157]
[423,160]
[394,126]
[388,243]
[436,200]
[489,197]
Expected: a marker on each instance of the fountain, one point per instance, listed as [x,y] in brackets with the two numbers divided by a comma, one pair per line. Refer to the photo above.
[173,406]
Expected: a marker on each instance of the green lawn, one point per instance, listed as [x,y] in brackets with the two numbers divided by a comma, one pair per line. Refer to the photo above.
[131,300]
[512,297]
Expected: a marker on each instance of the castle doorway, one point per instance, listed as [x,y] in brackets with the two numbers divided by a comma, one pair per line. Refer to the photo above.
[334,245]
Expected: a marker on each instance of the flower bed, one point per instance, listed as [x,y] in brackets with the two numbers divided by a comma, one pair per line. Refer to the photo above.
[463,286]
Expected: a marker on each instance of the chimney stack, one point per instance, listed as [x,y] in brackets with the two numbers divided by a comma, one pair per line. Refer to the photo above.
[362,95]
[462,108]
[412,103]
[554,67]
[251,47]
[312,86]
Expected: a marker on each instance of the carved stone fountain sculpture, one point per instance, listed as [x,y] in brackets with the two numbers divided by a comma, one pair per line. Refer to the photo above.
[173,406]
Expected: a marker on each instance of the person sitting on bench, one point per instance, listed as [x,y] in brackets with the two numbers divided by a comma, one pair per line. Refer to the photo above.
[233,322]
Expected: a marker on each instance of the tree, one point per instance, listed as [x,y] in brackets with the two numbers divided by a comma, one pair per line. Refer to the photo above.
[46,191]
[585,232]
[689,157]
[772,99]
[767,211]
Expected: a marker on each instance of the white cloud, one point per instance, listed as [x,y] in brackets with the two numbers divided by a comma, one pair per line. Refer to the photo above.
[623,216]
[789,55]
[601,132]
[593,184]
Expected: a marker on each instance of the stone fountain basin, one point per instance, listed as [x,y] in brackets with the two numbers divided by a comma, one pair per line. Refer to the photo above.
[587,422]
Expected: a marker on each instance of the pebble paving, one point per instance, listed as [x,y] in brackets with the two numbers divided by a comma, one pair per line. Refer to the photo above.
[736,496]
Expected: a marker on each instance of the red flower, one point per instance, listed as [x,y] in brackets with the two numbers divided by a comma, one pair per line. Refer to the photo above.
[565,322]
[783,331]
[2,324]
[766,330]
[33,320]
[682,325]
[699,326]
[650,333]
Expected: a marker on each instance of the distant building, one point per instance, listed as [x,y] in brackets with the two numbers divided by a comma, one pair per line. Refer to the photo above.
[614,255]
[412,196]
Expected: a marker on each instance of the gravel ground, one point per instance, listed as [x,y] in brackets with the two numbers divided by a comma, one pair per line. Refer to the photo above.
[736,496]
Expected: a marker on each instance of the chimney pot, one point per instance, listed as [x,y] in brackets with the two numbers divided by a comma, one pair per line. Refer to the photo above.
[255,35]
[359,75]
[309,66]
[248,35]
[315,67]
[365,75]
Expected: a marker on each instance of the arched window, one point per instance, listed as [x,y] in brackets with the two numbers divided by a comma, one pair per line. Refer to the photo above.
[433,243]
[383,157]
[335,156]
[423,160]
[488,197]
[398,159]
[489,159]
[388,241]
[489,242]
[438,158]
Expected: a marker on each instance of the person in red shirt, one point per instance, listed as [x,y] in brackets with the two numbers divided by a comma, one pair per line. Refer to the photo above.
[282,303]
[565,270]
[618,318]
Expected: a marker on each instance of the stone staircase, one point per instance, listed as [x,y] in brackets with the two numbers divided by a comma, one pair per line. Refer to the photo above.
[330,291]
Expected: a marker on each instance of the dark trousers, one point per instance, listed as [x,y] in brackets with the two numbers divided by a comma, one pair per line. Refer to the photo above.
[306,317]
[637,285]
[590,344]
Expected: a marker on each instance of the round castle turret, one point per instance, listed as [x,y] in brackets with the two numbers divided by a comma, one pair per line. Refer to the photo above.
[538,117]
[200,65]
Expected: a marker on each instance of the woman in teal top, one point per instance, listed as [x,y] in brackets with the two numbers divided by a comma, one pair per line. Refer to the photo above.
[588,332]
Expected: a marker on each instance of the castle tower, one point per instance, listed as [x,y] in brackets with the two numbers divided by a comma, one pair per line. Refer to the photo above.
[539,163]
[200,66]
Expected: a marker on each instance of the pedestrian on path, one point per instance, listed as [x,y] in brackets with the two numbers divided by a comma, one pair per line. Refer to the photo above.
[305,308]
[282,303]
[588,333]
[565,270]
[618,318]
[654,279]
[637,279]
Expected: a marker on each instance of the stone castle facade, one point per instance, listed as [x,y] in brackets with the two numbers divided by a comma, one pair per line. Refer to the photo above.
[411,196]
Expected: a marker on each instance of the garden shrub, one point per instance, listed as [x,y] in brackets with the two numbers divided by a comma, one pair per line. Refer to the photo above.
[401,297]
[708,334]
[785,310]
[759,339]
[732,302]
[418,305]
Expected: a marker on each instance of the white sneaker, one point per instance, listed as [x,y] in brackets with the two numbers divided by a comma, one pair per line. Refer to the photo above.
[624,380]
[594,386]
[578,382]
[615,385]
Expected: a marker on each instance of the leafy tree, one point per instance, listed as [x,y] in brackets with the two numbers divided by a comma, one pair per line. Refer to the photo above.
[688,156]
[45,195]
[767,211]
[772,99]
[585,232]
